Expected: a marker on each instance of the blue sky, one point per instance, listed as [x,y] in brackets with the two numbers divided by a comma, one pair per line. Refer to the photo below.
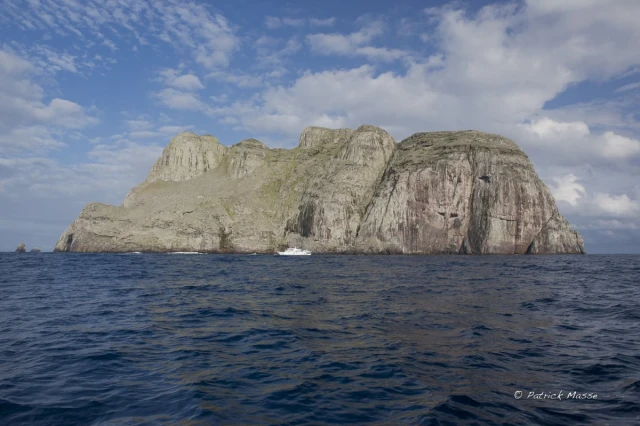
[91,91]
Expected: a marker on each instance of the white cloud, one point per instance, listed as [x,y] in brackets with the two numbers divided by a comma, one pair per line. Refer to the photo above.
[26,122]
[110,44]
[610,113]
[381,53]
[628,87]
[549,129]
[617,205]
[29,138]
[553,7]
[172,77]
[340,98]
[273,55]
[293,22]
[187,82]
[274,22]
[110,172]
[612,224]
[176,99]
[616,146]
[63,113]
[180,95]
[49,61]
[137,125]
[266,41]
[143,134]
[576,140]
[568,189]
[174,130]
[11,64]
[355,43]
[328,22]
[240,80]
[492,71]
[185,25]
[144,129]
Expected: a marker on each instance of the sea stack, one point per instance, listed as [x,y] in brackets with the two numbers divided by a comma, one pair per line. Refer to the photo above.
[21,248]
[339,191]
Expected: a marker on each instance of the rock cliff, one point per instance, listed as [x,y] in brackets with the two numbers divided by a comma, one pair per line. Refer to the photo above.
[339,191]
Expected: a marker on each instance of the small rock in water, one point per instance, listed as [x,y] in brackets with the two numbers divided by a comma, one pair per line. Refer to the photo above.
[35,250]
[21,248]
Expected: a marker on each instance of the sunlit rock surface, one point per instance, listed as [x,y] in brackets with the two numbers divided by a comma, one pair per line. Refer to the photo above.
[339,191]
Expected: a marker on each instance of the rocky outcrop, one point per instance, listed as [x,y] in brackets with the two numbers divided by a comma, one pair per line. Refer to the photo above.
[21,248]
[187,156]
[342,190]
[463,192]
[35,250]
[556,237]
[245,157]
[335,199]
[312,136]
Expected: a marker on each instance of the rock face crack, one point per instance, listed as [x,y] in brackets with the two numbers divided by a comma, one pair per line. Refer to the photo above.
[464,247]
[386,209]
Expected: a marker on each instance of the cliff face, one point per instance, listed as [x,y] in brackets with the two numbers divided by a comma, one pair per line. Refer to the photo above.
[338,191]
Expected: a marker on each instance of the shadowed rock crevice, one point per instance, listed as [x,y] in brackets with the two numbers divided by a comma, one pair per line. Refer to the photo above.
[225,243]
[355,191]
[68,243]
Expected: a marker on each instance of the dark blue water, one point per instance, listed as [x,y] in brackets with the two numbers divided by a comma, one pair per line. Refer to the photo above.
[252,340]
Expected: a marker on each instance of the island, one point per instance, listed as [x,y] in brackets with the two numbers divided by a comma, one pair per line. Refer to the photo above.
[338,191]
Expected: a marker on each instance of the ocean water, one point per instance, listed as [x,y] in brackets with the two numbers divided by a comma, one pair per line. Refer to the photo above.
[254,340]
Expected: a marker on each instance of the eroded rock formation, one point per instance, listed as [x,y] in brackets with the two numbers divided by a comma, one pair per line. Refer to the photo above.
[339,191]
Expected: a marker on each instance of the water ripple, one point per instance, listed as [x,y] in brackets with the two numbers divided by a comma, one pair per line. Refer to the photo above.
[253,340]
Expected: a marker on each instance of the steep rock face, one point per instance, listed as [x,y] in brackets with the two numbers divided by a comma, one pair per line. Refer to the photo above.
[336,198]
[246,156]
[338,191]
[312,136]
[459,192]
[187,156]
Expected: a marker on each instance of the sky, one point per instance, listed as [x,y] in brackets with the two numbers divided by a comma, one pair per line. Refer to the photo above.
[91,91]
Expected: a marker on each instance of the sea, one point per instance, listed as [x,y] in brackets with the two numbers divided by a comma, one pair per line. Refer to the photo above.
[188,339]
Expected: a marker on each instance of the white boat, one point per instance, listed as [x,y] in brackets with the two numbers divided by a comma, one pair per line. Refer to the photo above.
[294,252]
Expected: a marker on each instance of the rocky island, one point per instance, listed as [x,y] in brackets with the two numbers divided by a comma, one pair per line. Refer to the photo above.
[338,191]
